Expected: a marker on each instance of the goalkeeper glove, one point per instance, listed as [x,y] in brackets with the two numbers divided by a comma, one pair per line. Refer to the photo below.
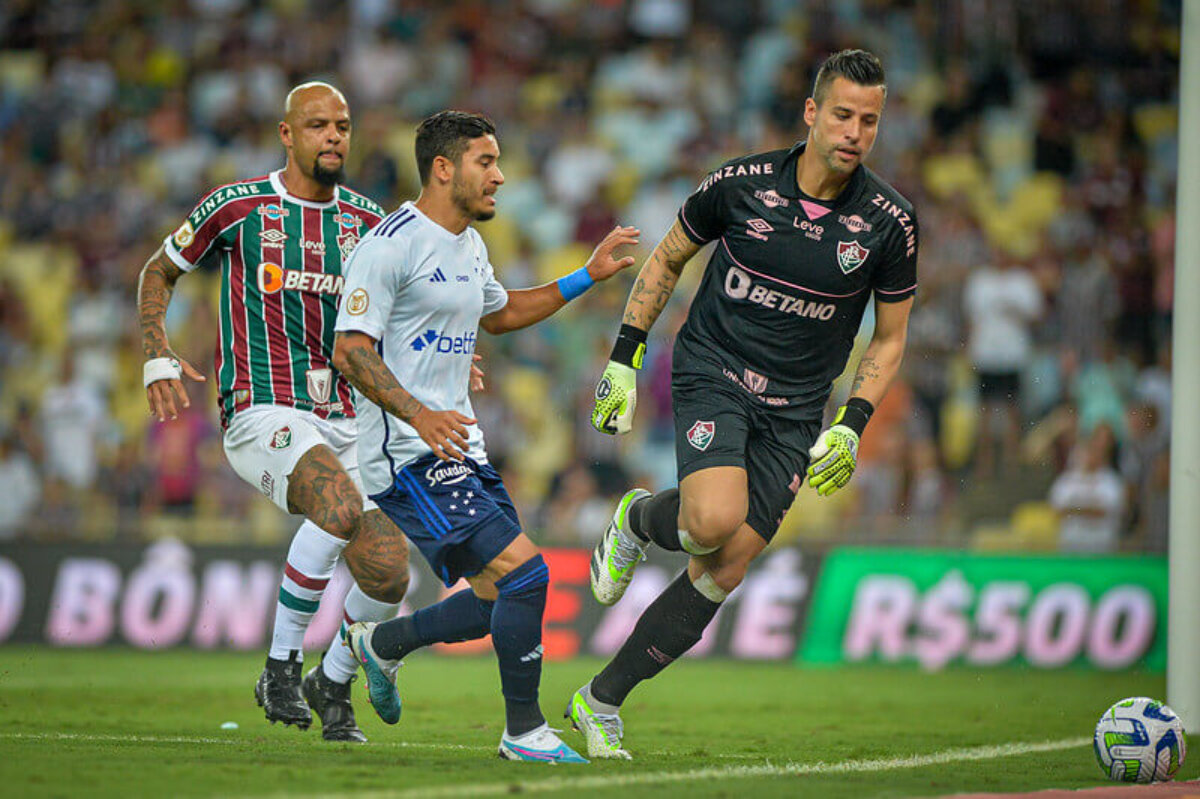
[616,393]
[834,456]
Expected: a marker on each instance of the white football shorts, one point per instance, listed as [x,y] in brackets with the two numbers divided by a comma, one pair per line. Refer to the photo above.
[264,442]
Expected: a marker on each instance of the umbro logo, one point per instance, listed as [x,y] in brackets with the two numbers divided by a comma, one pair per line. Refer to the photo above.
[438,276]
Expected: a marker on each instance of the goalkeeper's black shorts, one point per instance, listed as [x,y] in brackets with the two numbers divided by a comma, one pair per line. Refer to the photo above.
[718,424]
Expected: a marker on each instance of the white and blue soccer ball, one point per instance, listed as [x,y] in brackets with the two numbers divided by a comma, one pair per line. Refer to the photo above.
[1139,740]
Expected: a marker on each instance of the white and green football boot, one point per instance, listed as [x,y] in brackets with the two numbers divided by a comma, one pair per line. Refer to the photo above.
[603,731]
[381,673]
[618,553]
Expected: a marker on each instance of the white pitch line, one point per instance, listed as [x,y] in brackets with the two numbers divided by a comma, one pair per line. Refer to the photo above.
[727,772]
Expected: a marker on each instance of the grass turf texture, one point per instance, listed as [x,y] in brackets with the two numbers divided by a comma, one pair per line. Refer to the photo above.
[124,723]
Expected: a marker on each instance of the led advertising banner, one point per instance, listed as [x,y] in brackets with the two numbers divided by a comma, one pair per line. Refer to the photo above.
[937,608]
[168,594]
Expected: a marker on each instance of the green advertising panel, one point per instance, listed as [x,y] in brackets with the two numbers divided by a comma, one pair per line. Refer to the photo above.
[934,608]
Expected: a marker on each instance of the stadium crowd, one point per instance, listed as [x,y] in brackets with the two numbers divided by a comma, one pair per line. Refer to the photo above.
[1037,142]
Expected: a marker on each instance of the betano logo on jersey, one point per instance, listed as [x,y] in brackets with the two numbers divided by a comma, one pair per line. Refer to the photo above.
[443,344]
[273,278]
[740,286]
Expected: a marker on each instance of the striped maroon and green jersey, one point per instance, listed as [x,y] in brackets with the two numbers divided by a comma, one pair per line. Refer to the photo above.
[281,279]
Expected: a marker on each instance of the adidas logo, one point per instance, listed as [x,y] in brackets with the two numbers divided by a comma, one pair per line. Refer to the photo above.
[438,276]
[536,654]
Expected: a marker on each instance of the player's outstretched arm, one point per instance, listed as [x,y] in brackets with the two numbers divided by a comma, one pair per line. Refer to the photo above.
[616,393]
[445,432]
[834,456]
[164,370]
[529,306]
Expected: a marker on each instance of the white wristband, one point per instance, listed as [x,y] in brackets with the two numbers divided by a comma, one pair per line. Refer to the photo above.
[157,369]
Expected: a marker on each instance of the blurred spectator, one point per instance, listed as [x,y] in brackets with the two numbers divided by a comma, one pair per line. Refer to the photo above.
[1090,497]
[174,460]
[22,487]
[73,419]
[1003,303]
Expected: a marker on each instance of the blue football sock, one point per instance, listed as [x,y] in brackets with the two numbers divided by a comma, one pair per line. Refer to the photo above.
[517,639]
[462,616]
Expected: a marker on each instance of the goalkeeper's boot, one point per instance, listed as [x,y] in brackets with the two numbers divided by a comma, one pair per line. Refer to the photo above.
[538,746]
[618,553]
[603,731]
[331,702]
[381,673]
[278,692]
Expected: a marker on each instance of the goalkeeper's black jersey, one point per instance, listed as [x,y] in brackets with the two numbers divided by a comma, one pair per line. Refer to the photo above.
[784,292]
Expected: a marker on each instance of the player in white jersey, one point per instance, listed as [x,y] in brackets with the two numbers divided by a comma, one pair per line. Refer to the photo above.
[417,289]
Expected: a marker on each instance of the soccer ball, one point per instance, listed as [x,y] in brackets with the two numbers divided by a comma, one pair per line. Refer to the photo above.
[1139,740]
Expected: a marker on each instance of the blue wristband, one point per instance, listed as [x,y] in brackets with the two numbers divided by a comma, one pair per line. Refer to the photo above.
[576,283]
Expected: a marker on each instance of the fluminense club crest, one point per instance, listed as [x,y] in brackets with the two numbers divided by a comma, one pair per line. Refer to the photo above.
[701,434]
[851,255]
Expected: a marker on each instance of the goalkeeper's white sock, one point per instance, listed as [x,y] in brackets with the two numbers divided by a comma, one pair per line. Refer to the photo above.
[339,664]
[310,563]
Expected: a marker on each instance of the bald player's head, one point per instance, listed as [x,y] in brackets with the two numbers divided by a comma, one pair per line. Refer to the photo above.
[315,131]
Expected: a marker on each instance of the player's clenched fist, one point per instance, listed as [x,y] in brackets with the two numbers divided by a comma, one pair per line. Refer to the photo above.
[616,399]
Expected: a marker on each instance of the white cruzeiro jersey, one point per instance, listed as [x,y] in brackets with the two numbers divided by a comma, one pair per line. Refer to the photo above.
[419,290]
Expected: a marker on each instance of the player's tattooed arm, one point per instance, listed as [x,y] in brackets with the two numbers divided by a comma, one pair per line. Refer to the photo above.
[880,363]
[355,357]
[156,283]
[656,282]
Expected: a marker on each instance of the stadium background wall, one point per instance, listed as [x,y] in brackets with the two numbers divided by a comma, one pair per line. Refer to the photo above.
[912,607]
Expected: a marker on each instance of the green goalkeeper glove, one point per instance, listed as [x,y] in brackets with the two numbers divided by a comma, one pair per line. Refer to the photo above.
[616,393]
[833,459]
[616,399]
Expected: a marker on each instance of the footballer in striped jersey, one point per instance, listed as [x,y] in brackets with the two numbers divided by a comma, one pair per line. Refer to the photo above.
[280,242]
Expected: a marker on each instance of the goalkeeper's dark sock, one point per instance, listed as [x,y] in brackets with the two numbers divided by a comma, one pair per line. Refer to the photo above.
[517,639]
[462,616]
[656,518]
[669,627]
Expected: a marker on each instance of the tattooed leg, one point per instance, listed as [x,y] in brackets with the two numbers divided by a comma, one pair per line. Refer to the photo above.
[378,557]
[320,489]
[377,554]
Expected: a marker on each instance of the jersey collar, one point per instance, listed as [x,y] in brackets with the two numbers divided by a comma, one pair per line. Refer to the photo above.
[281,190]
[786,185]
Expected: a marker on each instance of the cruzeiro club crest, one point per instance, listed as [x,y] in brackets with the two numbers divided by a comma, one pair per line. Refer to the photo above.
[851,255]
[701,434]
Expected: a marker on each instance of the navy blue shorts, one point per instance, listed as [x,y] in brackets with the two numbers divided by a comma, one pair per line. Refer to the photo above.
[456,512]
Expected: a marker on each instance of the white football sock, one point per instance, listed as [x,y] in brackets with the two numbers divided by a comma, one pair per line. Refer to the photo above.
[339,664]
[310,563]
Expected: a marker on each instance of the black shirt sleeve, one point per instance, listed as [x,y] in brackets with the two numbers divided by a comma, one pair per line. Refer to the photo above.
[896,280]
[702,214]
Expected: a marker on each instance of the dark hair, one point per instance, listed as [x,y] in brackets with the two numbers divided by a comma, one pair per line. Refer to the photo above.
[448,134]
[857,66]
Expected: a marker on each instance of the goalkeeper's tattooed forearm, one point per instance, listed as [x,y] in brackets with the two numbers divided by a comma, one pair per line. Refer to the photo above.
[370,375]
[868,371]
[155,286]
[653,288]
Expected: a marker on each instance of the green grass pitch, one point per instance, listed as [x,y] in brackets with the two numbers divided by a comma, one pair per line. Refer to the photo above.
[123,723]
